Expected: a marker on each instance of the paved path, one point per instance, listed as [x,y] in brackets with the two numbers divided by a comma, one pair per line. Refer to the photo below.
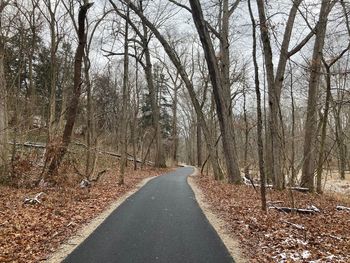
[162,222]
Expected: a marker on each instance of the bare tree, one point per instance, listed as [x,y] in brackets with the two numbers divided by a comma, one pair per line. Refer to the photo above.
[3,101]
[51,18]
[57,153]
[275,156]
[259,114]
[307,179]
[220,89]
[125,94]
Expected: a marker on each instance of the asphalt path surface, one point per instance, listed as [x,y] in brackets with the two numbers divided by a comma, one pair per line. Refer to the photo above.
[162,222]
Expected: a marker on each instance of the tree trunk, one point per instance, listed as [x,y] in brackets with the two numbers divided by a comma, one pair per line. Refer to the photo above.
[339,137]
[124,115]
[89,117]
[53,77]
[292,165]
[159,155]
[246,135]
[65,95]
[136,111]
[58,151]
[275,138]
[199,144]
[259,116]
[307,179]
[3,115]
[30,100]
[323,132]
[174,132]
[221,93]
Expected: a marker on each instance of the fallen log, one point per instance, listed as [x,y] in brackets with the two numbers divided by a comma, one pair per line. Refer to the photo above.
[30,145]
[250,182]
[299,189]
[297,210]
[274,202]
[43,146]
[342,208]
[297,226]
[33,200]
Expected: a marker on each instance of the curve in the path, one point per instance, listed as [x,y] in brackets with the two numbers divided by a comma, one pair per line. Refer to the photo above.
[162,222]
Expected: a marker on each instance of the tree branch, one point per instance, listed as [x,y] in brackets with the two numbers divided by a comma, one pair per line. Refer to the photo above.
[212,29]
[233,7]
[298,47]
[111,53]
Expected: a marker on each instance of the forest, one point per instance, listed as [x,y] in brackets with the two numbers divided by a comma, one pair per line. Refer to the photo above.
[97,96]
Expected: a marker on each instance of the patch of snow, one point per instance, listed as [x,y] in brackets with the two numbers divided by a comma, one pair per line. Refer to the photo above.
[291,241]
[295,256]
[329,258]
[314,208]
[281,256]
[306,254]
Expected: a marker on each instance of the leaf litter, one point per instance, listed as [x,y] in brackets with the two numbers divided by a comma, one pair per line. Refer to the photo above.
[31,230]
[276,236]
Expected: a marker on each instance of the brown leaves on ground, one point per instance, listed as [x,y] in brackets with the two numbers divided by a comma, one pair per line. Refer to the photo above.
[278,236]
[28,233]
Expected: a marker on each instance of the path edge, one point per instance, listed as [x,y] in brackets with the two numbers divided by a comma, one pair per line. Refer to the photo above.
[85,231]
[231,243]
